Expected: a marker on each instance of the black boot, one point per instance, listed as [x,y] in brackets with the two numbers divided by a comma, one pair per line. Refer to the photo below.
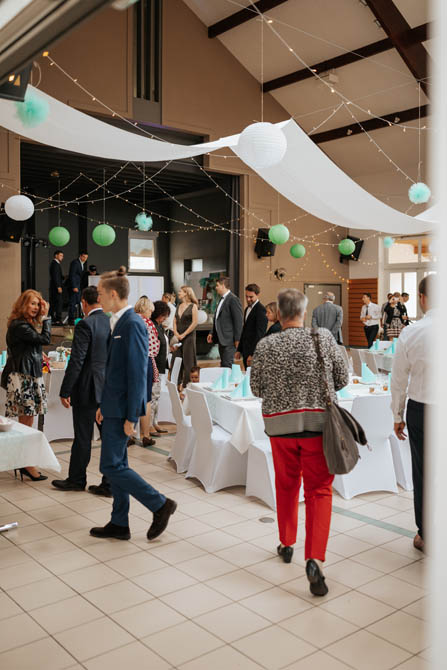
[111,530]
[161,519]
[67,485]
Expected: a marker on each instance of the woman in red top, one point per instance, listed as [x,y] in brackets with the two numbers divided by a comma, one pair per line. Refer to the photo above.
[144,307]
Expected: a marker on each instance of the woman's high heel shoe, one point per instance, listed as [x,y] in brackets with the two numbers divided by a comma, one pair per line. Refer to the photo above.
[24,471]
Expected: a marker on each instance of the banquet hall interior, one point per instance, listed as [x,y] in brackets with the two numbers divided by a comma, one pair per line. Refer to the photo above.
[284,144]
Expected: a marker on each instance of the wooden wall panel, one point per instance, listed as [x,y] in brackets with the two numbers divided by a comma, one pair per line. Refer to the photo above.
[357,287]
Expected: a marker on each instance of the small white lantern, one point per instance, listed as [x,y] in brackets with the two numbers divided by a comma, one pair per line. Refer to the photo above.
[19,207]
[202,316]
[262,145]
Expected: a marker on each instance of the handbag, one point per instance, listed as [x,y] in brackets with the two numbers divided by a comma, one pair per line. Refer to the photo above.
[341,431]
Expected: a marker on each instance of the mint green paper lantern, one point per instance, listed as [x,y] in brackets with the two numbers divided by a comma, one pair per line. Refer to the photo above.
[59,236]
[297,251]
[346,247]
[279,234]
[103,235]
[388,242]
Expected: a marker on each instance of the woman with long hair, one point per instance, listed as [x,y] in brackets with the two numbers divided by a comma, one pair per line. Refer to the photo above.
[273,319]
[394,317]
[144,308]
[28,329]
[185,324]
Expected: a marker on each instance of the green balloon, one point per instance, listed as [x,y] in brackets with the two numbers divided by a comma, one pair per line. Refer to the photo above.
[297,251]
[346,247]
[103,235]
[279,234]
[59,236]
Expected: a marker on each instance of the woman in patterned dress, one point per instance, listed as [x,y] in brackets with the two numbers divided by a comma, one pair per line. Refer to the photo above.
[394,317]
[29,327]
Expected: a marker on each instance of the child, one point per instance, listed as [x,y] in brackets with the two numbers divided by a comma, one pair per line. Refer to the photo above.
[194,378]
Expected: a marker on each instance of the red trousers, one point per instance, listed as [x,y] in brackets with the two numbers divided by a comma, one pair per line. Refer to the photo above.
[296,458]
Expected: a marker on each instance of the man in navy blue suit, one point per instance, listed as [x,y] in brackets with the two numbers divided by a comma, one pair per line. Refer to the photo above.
[74,285]
[123,402]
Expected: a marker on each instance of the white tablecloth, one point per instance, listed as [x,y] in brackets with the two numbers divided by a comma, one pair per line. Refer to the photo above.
[361,390]
[383,361]
[22,446]
[241,418]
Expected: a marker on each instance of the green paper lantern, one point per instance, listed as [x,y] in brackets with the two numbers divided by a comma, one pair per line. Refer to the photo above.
[59,236]
[103,235]
[346,247]
[388,242]
[279,234]
[297,251]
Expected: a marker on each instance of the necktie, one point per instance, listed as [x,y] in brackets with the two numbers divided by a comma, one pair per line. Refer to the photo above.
[367,307]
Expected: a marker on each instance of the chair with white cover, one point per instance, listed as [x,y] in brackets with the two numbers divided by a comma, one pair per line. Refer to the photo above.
[185,438]
[164,403]
[215,462]
[401,452]
[356,361]
[344,353]
[371,361]
[261,473]
[176,369]
[210,374]
[375,469]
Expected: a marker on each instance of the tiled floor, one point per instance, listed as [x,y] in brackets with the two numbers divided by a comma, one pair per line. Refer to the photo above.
[211,592]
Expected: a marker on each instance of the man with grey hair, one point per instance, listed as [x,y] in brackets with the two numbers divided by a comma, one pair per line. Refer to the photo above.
[329,316]
[287,375]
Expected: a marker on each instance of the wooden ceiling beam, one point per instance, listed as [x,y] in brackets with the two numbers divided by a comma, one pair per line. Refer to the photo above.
[413,36]
[242,16]
[371,124]
[415,55]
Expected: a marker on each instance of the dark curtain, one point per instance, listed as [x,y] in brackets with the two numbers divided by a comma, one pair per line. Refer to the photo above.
[234,245]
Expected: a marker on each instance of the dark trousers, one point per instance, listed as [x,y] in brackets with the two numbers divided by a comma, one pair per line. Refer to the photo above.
[81,449]
[371,334]
[73,301]
[226,354]
[55,305]
[415,424]
[123,480]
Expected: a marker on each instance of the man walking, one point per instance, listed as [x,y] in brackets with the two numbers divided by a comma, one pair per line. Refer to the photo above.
[411,377]
[228,322]
[370,317]
[56,281]
[255,324]
[82,388]
[74,285]
[123,403]
[329,316]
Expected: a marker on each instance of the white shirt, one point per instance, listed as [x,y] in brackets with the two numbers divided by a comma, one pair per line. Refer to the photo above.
[411,366]
[219,306]
[97,309]
[373,311]
[168,323]
[248,311]
[117,316]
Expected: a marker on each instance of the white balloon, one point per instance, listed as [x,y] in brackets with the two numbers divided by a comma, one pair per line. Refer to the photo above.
[262,145]
[202,316]
[19,207]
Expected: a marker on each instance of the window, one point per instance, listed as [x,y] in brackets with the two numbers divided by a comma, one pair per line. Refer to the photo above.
[148,50]
[197,264]
[142,252]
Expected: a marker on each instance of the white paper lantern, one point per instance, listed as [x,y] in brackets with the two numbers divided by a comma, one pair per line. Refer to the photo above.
[202,316]
[19,207]
[262,145]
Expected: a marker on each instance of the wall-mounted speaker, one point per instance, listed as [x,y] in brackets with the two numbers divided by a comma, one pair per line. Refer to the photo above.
[11,231]
[263,246]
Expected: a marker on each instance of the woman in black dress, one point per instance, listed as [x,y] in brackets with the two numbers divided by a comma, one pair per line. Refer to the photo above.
[272,318]
[185,324]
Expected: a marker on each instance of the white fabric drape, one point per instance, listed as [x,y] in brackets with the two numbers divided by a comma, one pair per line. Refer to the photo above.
[305,176]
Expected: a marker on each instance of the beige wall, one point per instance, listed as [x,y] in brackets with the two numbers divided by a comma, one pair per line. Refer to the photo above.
[10,254]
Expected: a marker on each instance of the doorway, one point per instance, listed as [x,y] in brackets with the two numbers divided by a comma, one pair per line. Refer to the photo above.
[315,292]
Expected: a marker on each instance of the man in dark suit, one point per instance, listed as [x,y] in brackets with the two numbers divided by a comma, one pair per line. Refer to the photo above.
[123,403]
[329,316]
[82,388]
[255,324]
[56,281]
[228,322]
[74,285]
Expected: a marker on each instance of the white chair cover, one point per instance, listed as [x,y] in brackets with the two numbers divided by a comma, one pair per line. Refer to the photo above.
[371,361]
[356,362]
[401,453]
[214,461]
[185,438]
[375,469]
[210,374]
[164,403]
[344,353]
[176,370]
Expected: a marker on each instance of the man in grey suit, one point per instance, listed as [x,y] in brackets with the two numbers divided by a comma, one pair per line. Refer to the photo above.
[329,316]
[228,323]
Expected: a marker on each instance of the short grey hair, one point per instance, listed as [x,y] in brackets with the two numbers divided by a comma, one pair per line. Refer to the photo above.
[291,303]
[329,296]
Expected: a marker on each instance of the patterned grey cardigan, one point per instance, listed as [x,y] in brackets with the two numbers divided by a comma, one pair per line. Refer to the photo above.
[286,374]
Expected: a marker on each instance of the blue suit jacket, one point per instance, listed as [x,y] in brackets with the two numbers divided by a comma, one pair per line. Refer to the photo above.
[75,274]
[125,386]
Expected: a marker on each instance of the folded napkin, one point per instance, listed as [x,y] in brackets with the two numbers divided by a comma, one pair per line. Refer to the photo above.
[374,346]
[367,375]
[3,359]
[343,394]
[218,384]
[236,374]
[389,381]
[246,390]
[225,378]
[238,392]
[393,345]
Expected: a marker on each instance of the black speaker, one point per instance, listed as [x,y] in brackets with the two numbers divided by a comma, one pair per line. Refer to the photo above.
[10,231]
[15,87]
[263,246]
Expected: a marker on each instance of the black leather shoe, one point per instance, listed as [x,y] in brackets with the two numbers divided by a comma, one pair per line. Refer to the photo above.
[161,519]
[66,485]
[100,491]
[286,553]
[317,583]
[111,530]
